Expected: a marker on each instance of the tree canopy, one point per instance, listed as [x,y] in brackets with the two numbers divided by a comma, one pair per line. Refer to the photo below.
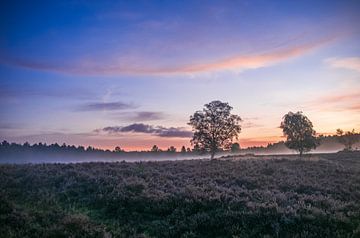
[214,127]
[299,132]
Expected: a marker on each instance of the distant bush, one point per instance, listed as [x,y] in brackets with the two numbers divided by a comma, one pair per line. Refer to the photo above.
[348,139]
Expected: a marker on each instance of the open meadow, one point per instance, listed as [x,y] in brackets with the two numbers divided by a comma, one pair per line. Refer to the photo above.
[279,196]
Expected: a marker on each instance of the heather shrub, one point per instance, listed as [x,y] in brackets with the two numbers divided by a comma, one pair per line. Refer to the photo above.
[223,198]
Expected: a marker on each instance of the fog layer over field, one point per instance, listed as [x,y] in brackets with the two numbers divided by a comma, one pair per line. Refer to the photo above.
[37,158]
[51,158]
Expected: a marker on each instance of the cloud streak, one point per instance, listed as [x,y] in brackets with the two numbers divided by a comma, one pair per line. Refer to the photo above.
[105,106]
[352,63]
[126,66]
[160,131]
[340,101]
[243,62]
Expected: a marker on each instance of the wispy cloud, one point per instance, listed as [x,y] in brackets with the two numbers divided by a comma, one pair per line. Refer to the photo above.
[338,101]
[105,106]
[125,66]
[355,107]
[352,63]
[148,129]
[341,97]
[142,116]
[243,62]
[249,122]
[8,92]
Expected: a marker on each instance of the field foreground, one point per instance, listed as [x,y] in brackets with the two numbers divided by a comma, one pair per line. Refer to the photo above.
[267,197]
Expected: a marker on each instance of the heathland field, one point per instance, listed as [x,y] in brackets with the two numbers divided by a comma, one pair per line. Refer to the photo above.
[317,196]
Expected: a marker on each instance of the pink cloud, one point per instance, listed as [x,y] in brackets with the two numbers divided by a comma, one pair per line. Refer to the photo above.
[242,62]
[124,66]
[339,101]
[345,96]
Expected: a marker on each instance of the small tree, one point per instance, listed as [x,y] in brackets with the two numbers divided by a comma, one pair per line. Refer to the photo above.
[117,149]
[214,127]
[183,150]
[155,148]
[348,139]
[299,132]
[171,149]
[235,148]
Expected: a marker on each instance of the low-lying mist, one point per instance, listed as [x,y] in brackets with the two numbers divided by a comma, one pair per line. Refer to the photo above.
[37,158]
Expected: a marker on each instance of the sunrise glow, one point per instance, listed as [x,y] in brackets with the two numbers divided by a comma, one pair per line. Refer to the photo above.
[70,70]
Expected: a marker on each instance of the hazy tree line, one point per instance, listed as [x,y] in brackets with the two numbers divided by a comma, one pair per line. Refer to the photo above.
[6,147]
[64,148]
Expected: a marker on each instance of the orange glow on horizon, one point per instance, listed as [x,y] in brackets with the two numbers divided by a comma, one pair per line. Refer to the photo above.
[178,143]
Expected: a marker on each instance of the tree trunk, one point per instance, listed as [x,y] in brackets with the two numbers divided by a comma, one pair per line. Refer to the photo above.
[212,154]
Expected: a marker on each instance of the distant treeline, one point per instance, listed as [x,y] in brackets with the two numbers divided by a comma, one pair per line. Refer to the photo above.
[7,149]
[331,143]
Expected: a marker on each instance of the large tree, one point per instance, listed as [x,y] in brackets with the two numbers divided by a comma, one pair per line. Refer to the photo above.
[214,127]
[299,132]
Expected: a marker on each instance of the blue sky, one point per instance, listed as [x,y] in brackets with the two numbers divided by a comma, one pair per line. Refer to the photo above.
[68,69]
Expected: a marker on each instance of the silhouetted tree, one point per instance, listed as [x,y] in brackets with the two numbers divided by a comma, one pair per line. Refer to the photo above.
[81,148]
[188,150]
[5,143]
[348,139]
[215,127]
[183,150]
[155,148]
[171,149]
[235,147]
[299,132]
[89,148]
[117,149]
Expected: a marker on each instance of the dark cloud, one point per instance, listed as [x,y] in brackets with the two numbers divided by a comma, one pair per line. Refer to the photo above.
[110,106]
[148,129]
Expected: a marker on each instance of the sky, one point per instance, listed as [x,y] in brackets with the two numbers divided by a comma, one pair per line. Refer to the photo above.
[130,73]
